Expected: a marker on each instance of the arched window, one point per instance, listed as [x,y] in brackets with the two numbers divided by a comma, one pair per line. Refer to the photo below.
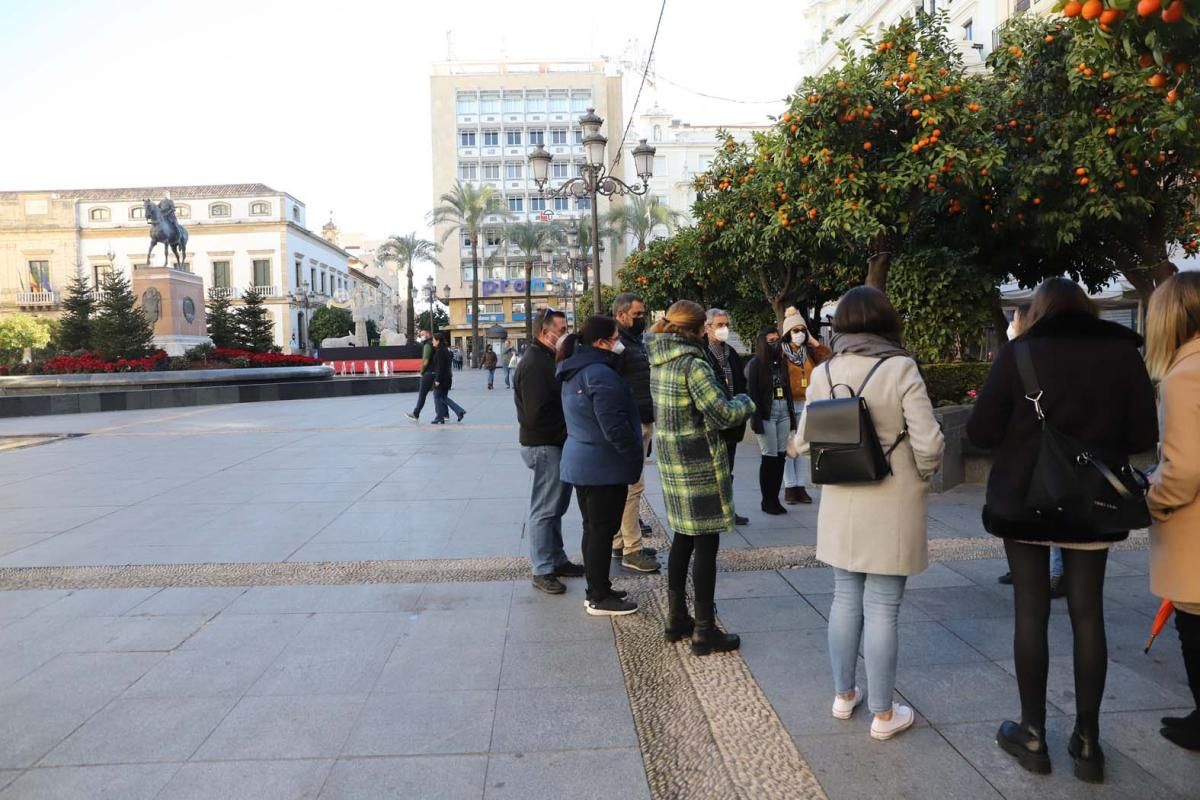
[218,210]
[137,212]
[260,209]
[99,215]
[183,212]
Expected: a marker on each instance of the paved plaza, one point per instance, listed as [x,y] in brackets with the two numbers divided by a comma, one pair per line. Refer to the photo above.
[321,599]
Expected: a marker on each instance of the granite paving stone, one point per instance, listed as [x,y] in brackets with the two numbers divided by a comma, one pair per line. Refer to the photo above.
[578,774]
[103,782]
[558,719]
[310,726]
[428,777]
[551,665]
[248,780]
[422,723]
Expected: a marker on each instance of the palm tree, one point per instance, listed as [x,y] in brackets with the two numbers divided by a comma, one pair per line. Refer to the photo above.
[531,238]
[581,229]
[406,250]
[639,217]
[463,209]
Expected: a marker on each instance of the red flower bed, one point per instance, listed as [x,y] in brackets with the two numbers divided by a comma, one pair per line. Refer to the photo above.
[90,362]
[228,354]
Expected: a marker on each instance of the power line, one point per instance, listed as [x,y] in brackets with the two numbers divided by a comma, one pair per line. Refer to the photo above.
[642,85]
[659,76]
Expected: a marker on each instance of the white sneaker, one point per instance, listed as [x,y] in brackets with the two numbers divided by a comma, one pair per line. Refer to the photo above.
[844,709]
[902,720]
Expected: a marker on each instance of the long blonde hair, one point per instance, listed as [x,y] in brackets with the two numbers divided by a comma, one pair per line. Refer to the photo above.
[1172,319]
[683,317]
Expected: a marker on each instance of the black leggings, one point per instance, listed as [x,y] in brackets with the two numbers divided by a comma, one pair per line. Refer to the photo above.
[704,566]
[602,508]
[1083,576]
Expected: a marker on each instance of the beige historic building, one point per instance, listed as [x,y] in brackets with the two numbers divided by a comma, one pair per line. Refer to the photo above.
[486,119]
[241,236]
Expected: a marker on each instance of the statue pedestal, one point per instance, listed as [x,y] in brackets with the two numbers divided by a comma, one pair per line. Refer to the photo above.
[174,301]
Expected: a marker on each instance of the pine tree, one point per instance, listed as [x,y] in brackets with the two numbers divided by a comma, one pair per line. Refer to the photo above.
[256,328]
[75,325]
[222,326]
[120,329]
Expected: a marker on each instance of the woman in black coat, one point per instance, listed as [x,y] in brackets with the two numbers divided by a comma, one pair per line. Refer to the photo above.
[1095,389]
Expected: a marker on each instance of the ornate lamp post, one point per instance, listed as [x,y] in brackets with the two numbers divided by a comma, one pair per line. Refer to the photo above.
[594,181]
[431,297]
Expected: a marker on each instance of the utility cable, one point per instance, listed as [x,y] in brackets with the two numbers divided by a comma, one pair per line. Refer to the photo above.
[642,85]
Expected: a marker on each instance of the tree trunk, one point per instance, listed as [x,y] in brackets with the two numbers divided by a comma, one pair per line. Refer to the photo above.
[528,302]
[410,331]
[474,302]
[1145,279]
[877,270]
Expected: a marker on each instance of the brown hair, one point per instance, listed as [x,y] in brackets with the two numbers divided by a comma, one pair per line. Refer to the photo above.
[684,318]
[1172,319]
[865,309]
[1054,297]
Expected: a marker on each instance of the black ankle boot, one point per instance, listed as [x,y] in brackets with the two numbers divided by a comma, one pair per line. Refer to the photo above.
[679,623]
[1089,758]
[707,637]
[1027,744]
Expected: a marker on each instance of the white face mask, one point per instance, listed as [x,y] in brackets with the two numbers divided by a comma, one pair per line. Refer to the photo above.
[799,337]
[1012,331]
[561,341]
[618,347]
[721,334]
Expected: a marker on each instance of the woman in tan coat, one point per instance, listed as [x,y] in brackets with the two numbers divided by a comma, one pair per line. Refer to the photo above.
[874,534]
[1173,357]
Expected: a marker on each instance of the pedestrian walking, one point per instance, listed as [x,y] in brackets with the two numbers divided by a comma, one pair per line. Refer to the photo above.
[634,367]
[512,358]
[774,416]
[603,453]
[543,432]
[427,374]
[443,381]
[731,374]
[691,410]
[1173,356]
[1093,388]
[874,534]
[802,352]
[489,363]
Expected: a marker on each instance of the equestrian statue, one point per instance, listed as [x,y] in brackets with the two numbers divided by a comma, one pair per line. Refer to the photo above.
[166,229]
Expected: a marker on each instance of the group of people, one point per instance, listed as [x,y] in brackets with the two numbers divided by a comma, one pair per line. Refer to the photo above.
[508,360]
[437,375]
[592,404]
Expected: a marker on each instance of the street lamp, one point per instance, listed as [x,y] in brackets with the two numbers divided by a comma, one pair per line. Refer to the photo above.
[431,297]
[303,295]
[594,181]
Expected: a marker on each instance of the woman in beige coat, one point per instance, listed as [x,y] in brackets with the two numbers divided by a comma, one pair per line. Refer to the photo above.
[874,534]
[1173,357]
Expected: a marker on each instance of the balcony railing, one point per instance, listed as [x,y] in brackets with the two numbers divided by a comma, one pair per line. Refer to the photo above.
[37,298]
[268,291]
[227,292]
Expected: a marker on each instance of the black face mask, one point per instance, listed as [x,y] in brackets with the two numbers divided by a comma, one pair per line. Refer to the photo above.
[638,327]
[773,348]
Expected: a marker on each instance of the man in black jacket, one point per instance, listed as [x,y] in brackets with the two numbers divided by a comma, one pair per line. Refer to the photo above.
[543,431]
[731,372]
[427,369]
[634,367]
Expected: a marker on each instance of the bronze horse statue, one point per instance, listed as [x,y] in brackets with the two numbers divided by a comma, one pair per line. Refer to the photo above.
[164,228]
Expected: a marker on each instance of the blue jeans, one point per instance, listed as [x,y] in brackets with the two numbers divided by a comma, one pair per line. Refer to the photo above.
[508,376]
[1056,569]
[870,605]
[548,501]
[425,386]
[443,404]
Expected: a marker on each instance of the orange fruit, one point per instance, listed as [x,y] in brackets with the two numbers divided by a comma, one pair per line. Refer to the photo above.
[1172,96]
[1173,13]
[1073,8]
[1091,9]
[867,145]
[1082,182]
[1112,131]
[1146,60]
[1080,171]
[1147,7]
[1049,39]
[1157,81]
[916,112]
[1109,15]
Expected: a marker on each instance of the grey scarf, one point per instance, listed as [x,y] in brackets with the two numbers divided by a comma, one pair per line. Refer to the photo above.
[866,344]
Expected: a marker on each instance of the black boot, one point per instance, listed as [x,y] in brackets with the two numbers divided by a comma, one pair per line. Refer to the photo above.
[1089,758]
[679,622]
[770,480]
[1027,744]
[707,637]
[1185,731]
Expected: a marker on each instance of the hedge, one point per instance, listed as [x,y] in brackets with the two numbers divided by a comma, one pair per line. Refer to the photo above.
[949,384]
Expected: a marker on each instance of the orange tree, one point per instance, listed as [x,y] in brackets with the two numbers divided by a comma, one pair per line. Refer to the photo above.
[1100,119]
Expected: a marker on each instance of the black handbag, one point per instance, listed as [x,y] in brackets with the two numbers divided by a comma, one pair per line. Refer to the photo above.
[1071,487]
[843,444]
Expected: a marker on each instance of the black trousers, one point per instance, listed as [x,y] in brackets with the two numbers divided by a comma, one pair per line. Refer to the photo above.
[423,392]
[1083,572]
[730,450]
[1188,626]
[702,552]
[602,508]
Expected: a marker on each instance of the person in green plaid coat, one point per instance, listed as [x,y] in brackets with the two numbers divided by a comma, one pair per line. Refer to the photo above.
[691,409]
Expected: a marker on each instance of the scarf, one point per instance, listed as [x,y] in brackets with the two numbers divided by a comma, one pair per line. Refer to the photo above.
[718,350]
[795,355]
[866,344]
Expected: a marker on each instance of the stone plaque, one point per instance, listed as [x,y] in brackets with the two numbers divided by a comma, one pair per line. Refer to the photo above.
[189,309]
[152,304]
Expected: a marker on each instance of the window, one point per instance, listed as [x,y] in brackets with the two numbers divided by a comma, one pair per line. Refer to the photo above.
[661,199]
[516,204]
[512,138]
[495,307]
[559,103]
[558,137]
[518,308]
[578,168]
[969,30]
[296,213]
[98,215]
[491,172]
[466,138]
[537,204]
[513,170]
[218,210]
[535,103]
[260,209]
[466,239]
[467,104]
[221,274]
[139,212]
[495,203]
[312,277]
[537,137]
[583,203]
[580,102]
[322,283]
[39,276]
[100,273]
[492,237]
[491,138]
[468,275]
[183,212]
[514,103]
[562,203]
[703,162]
[262,272]
[489,103]
[299,274]
[560,169]
[468,172]
[578,137]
